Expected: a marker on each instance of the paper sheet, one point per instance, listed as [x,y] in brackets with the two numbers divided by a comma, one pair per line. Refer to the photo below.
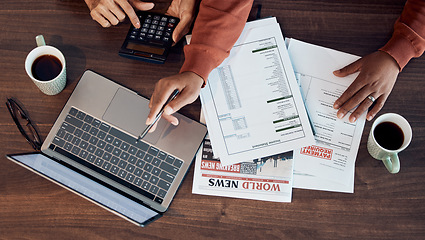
[331,160]
[252,103]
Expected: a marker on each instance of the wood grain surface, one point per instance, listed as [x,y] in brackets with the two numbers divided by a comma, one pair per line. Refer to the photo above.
[384,206]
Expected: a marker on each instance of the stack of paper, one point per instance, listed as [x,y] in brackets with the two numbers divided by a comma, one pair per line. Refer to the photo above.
[255,106]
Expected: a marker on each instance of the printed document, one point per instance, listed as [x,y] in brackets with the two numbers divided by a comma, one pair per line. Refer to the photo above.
[252,103]
[328,164]
[266,179]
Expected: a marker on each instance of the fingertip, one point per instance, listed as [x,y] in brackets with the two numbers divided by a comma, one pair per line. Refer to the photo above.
[336,105]
[148,121]
[153,128]
[137,24]
[145,6]
[175,122]
[340,115]
[339,73]
[168,110]
[151,5]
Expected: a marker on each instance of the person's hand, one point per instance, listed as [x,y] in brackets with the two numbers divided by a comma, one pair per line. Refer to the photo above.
[188,83]
[107,12]
[378,73]
[185,10]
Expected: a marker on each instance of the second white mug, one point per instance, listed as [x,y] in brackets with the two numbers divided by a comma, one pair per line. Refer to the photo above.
[389,135]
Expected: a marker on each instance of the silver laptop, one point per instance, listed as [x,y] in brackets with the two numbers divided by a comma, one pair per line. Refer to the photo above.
[92,150]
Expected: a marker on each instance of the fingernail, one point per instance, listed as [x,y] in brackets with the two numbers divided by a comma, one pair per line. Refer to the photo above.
[175,122]
[137,25]
[352,119]
[168,110]
[340,115]
[369,118]
[148,121]
[336,105]
[337,71]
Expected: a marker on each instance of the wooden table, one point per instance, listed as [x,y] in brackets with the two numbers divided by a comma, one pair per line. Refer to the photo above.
[384,206]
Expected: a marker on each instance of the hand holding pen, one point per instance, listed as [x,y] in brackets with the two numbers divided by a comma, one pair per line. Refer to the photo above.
[189,85]
[158,116]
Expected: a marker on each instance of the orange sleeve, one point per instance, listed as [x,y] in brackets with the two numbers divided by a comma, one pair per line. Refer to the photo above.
[408,39]
[216,29]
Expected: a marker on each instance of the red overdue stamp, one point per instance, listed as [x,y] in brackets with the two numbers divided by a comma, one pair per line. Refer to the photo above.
[317,151]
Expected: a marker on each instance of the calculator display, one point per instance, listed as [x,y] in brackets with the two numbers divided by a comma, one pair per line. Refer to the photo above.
[145,48]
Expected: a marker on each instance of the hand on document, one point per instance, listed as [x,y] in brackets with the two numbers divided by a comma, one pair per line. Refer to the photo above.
[188,83]
[378,73]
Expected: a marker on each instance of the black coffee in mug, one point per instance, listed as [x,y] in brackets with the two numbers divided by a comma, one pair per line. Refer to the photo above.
[389,135]
[46,67]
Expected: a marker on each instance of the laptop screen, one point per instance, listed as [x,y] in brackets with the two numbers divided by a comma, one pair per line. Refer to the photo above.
[86,187]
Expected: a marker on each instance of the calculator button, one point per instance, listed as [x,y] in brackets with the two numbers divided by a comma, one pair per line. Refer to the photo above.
[156,18]
[170,25]
[169,29]
[132,37]
[166,39]
[144,30]
[157,37]
[146,25]
[172,20]
[164,19]
[150,36]
[141,38]
[158,32]
[162,24]
[155,22]
[148,20]
[167,34]
[154,26]
[151,31]
[142,35]
[160,28]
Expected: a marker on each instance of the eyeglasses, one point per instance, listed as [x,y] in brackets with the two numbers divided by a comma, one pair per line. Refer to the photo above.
[32,135]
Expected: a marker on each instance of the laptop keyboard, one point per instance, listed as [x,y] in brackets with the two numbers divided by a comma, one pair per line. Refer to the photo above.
[117,155]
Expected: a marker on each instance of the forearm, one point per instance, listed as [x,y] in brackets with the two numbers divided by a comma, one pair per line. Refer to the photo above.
[216,29]
[408,40]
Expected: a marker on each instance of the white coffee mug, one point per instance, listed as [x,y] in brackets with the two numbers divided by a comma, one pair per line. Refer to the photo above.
[387,156]
[55,85]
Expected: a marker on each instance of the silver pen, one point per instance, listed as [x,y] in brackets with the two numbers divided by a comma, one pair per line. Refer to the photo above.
[158,116]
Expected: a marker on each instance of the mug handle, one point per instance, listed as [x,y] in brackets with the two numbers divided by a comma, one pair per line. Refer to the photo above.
[40,41]
[392,163]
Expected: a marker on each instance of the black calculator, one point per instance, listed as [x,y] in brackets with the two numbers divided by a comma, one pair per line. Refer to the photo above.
[152,41]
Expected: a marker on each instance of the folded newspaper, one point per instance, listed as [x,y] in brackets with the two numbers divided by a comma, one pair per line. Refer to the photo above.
[267,179]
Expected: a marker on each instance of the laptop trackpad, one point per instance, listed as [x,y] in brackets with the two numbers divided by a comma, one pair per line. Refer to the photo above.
[129,111]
